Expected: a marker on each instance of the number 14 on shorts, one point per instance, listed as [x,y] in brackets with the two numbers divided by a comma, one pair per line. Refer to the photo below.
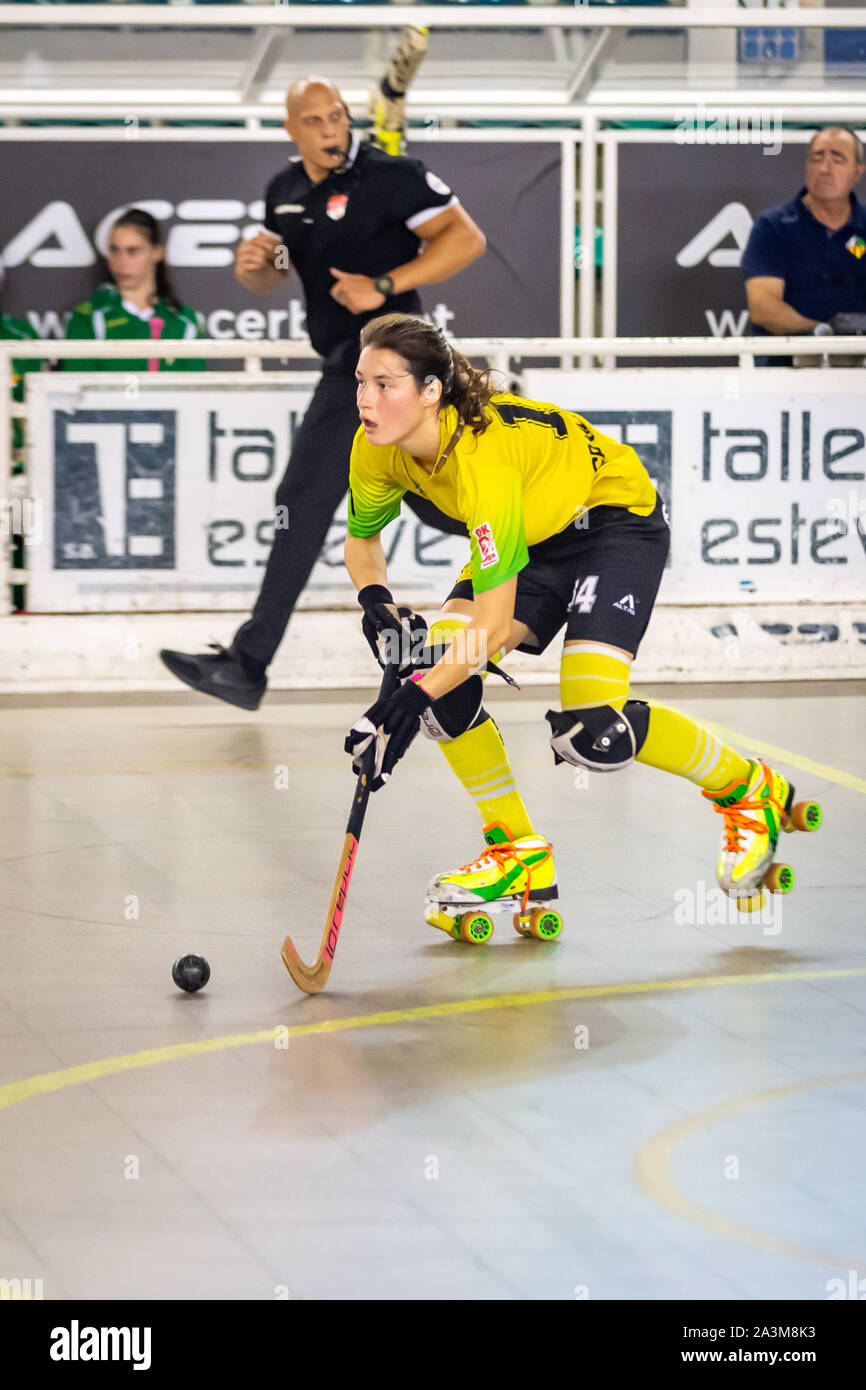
[584,596]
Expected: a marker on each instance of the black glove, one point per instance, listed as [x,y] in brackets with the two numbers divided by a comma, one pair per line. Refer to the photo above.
[395,635]
[390,724]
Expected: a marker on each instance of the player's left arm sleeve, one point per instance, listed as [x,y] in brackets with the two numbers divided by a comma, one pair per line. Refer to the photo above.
[417,194]
[374,499]
[497,536]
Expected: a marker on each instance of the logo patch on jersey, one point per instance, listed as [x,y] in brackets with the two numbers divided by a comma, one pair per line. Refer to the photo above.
[436,183]
[627,603]
[484,536]
[856,245]
[336,207]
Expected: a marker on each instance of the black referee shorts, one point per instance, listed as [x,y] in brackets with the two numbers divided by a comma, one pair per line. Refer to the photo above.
[600,580]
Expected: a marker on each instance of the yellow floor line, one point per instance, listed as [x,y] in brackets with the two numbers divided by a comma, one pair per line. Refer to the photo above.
[651,1171]
[13,1092]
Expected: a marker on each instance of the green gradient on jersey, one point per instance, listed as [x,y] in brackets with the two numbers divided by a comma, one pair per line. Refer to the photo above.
[533,472]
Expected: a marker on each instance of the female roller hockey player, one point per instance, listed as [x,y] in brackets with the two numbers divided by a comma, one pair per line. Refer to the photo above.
[566,527]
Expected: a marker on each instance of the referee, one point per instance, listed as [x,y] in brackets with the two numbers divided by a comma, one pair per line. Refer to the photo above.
[352,220]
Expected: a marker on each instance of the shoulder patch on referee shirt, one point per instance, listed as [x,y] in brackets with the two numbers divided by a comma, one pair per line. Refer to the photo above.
[436,183]
[486,544]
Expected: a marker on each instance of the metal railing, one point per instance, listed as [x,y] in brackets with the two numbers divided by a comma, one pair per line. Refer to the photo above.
[501,353]
[294,16]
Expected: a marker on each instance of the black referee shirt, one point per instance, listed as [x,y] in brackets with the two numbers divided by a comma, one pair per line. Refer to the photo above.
[362,220]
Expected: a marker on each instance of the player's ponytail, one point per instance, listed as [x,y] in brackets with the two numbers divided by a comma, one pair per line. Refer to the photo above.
[470,390]
[149,227]
[429,355]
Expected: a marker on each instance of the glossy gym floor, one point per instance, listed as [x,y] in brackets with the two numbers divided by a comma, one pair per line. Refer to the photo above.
[666,1103]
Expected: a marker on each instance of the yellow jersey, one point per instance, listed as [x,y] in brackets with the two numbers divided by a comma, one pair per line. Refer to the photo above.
[533,472]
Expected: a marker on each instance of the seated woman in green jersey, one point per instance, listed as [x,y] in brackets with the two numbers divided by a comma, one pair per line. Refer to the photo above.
[138,303]
[565,528]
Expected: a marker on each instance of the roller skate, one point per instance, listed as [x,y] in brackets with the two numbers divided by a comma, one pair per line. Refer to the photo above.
[516,876]
[754,813]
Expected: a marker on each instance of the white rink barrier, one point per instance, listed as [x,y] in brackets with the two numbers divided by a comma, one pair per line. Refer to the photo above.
[764,472]
[325,650]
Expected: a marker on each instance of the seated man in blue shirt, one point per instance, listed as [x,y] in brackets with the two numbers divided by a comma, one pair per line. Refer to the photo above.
[805,261]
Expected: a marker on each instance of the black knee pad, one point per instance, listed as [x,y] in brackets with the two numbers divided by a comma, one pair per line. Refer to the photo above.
[454,713]
[638,712]
[602,739]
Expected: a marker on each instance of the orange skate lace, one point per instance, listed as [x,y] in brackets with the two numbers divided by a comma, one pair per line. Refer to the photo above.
[504,850]
[736,823]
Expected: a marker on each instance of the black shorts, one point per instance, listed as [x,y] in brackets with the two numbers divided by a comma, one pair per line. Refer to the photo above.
[600,580]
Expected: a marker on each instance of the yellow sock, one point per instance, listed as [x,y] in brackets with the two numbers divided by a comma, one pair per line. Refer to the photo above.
[593,675]
[479,759]
[596,675]
[677,744]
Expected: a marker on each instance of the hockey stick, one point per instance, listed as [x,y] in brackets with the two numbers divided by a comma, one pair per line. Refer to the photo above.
[312,978]
[388,97]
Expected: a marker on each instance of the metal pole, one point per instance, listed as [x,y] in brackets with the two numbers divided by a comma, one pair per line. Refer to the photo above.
[592,344]
[6,496]
[387,17]
[567,219]
[610,213]
[588,151]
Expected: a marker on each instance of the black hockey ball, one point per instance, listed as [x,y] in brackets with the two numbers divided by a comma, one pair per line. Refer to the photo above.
[190,973]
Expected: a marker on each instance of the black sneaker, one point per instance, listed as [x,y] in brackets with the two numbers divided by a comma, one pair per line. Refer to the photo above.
[221,675]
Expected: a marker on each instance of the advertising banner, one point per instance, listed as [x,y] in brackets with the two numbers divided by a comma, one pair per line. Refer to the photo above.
[680,275]
[763,473]
[209,195]
[165,501]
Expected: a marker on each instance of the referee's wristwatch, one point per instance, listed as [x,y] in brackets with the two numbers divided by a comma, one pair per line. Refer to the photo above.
[384,284]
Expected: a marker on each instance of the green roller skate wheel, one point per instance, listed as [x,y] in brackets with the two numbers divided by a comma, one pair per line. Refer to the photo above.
[779,878]
[476,928]
[806,815]
[546,925]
